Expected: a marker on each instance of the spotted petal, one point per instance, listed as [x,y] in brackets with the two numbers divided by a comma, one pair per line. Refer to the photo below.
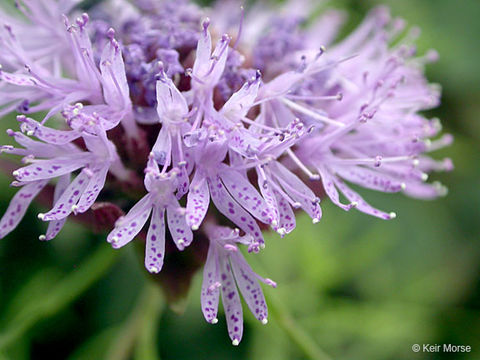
[245,194]
[48,169]
[210,286]
[231,301]
[249,287]
[361,204]
[180,231]
[18,206]
[129,226]
[155,246]
[64,206]
[198,199]
[297,190]
[49,135]
[369,179]
[230,208]
[95,185]
[287,216]
[329,187]
[55,226]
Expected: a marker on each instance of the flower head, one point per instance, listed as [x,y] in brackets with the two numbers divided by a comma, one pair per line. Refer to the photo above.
[241,118]
[226,271]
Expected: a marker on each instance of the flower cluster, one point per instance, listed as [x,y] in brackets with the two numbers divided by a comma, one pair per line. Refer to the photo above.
[242,119]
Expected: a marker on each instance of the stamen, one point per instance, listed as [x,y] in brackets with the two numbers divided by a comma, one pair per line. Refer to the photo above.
[261,126]
[337,97]
[253,164]
[302,166]
[41,80]
[268,281]
[189,73]
[377,161]
[313,114]
[240,28]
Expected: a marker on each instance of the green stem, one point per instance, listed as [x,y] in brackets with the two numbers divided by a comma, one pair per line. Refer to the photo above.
[139,330]
[68,289]
[146,348]
[289,325]
[294,331]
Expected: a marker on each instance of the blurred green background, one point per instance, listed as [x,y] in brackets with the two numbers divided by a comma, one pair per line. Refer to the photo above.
[353,287]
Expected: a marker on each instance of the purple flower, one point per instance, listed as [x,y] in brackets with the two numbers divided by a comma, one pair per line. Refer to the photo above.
[226,271]
[104,87]
[159,200]
[56,157]
[261,124]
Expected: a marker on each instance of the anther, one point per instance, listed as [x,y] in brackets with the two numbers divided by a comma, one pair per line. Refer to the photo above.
[28,159]
[441,189]
[42,238]
[230,247]
[88,172]
[205,24]
[154,270]
[392,215]
[270,282]
[111,34]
